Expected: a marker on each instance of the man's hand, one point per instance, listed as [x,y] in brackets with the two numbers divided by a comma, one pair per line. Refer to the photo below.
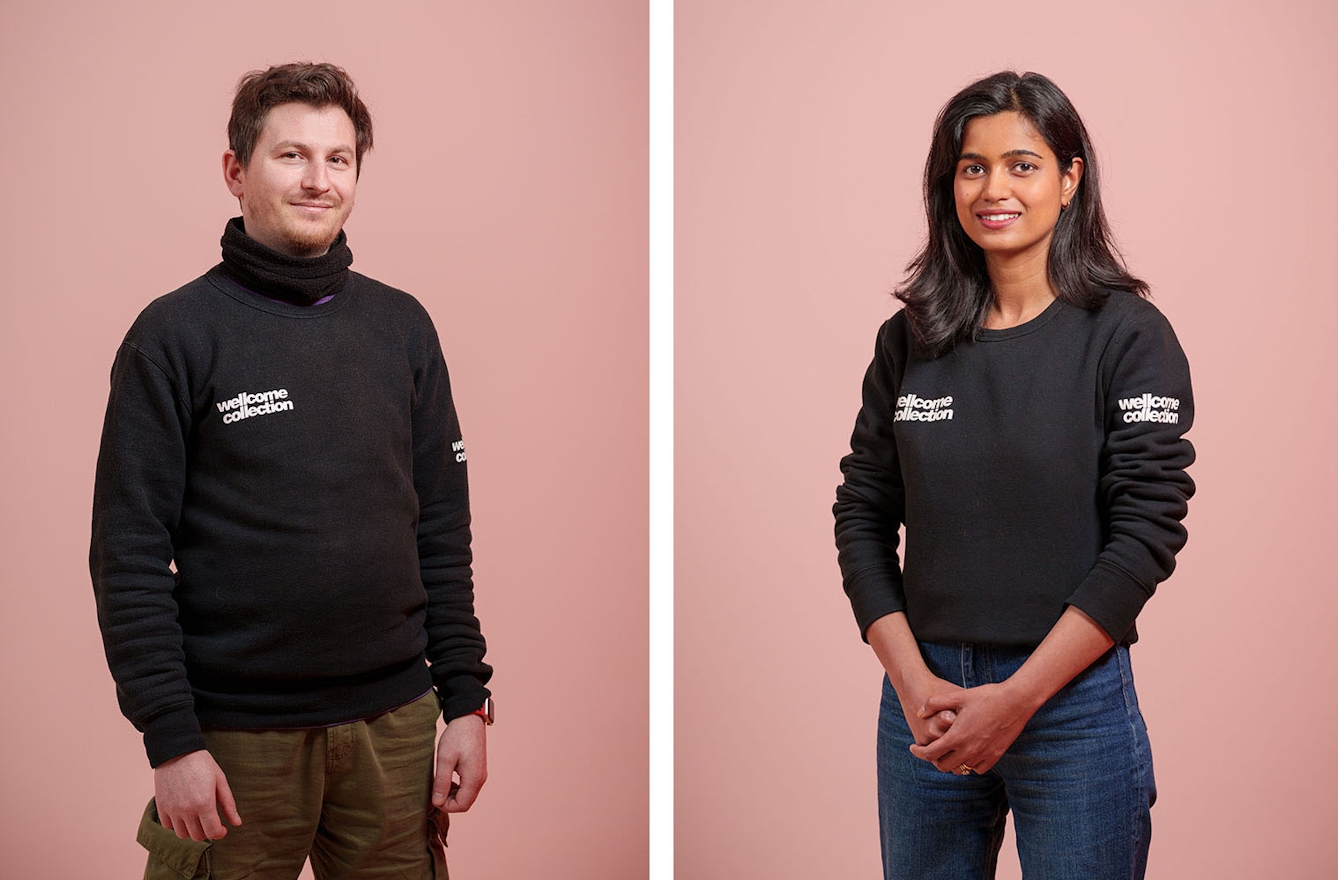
[189,790]
[462,751]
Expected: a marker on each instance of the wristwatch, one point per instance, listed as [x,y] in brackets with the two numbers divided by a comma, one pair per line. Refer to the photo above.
[486,711]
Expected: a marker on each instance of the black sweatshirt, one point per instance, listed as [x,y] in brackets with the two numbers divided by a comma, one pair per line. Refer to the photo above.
[302,466]
[1034,468]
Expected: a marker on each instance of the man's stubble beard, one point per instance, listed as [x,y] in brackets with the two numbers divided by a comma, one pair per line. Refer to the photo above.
[310,240]
[310,245]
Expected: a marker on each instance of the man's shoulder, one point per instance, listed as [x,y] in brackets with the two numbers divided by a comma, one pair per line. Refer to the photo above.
[392,306]
[191,298]
[168,315]
[385,295]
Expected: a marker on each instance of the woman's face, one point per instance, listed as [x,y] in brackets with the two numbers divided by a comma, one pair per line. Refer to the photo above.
[1009,187]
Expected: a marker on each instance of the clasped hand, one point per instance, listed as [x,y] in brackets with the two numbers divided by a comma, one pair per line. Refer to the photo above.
[971,726]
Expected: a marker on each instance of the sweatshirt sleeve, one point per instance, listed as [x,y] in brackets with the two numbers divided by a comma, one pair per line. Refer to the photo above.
[1143,489]
[455,645]
[870,502]
[137,497]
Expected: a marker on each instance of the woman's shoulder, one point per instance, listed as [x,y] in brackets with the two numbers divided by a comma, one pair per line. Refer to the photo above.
[1123,311]
[894,337]
[1131,330]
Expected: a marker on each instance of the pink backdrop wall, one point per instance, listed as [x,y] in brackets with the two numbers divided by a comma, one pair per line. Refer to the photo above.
[508,192]
[801,133]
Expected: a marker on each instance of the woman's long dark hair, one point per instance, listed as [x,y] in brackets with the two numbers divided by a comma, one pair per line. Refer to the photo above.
[947,291]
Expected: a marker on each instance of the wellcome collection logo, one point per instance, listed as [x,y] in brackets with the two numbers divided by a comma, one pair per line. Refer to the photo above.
[261,403]
[912,408]
[1150,408]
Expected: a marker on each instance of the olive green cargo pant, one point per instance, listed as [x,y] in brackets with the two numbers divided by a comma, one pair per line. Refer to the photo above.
[355,797]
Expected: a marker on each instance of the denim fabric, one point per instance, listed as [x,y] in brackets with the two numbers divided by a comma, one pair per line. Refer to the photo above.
[1078,781]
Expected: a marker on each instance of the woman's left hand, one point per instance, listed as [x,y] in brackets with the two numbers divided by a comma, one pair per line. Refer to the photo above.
[989,719]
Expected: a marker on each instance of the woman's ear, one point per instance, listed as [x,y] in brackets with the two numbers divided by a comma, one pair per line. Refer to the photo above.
[1069,180]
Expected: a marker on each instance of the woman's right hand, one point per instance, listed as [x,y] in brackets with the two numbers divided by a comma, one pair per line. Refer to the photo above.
[892,640]
[913,699]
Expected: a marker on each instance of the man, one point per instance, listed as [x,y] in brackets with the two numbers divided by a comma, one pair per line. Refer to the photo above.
[281,544]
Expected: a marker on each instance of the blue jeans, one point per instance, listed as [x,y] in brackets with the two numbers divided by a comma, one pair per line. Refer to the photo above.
[1078,781]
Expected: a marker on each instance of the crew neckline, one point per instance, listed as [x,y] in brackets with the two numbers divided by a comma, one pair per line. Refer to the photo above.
[220,278]
[1045,317]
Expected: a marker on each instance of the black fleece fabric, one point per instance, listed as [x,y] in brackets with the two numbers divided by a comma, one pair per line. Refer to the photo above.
[1033,468]
[299,280]
[302,469]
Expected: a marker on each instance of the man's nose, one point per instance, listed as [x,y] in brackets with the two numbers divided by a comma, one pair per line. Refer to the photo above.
[316,178]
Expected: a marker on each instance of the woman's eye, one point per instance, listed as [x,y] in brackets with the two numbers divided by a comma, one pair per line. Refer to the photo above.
[973,169]
[1025,167]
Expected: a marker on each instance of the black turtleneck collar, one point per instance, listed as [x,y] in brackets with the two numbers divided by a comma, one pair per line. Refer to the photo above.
[299,280]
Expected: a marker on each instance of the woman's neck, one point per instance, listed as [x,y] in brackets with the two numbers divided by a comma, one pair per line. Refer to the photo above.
[1021,288]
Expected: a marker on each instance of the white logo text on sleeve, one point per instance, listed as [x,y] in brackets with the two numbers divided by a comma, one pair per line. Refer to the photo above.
[1150,408]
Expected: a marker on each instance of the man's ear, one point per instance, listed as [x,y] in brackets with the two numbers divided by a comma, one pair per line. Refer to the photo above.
[234,175]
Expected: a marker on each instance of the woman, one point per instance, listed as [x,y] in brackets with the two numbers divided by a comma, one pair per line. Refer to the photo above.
[1023,418]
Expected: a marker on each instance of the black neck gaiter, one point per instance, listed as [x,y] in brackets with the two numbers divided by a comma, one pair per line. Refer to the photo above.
[299,280]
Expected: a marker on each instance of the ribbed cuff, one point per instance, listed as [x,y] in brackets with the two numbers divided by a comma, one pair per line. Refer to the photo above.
[172,733]
[460,696]
[874,593]
[1112,597]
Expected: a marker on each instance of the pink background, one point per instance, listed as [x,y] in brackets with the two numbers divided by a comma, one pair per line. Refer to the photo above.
[801,131]
[507,191]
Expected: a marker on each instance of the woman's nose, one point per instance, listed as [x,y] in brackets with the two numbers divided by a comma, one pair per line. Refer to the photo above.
[997,186]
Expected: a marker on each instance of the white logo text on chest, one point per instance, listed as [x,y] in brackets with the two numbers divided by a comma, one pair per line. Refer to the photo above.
[913,408]
[259,403]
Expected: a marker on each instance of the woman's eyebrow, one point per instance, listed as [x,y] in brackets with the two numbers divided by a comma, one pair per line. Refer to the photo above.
[1010,154]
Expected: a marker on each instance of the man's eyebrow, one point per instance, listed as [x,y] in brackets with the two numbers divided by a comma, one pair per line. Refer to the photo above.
[1010,154]
[289,145]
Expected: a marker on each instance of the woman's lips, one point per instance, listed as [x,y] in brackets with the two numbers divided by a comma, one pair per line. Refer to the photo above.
[998,219]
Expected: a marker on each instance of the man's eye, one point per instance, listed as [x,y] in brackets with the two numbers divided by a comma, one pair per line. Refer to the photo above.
[340,159]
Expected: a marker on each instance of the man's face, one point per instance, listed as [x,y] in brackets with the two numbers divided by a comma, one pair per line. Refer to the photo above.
[297,190]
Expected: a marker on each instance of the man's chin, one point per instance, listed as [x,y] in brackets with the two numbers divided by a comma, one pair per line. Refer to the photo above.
[309,243]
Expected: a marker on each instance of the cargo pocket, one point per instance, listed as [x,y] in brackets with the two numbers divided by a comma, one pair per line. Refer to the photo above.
[438,823]
[170,857]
